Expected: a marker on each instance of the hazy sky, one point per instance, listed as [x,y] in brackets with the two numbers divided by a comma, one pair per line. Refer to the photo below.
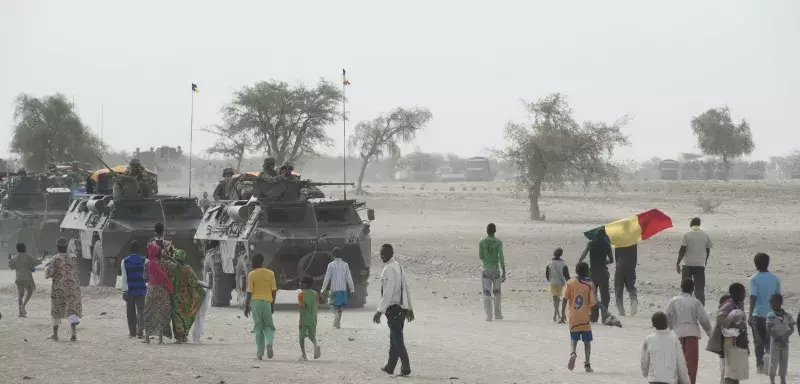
[470,62]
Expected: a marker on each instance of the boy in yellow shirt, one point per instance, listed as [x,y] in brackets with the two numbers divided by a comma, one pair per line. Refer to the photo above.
[261,291]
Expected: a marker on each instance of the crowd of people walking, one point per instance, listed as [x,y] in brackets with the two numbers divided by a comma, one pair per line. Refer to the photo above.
[164,298]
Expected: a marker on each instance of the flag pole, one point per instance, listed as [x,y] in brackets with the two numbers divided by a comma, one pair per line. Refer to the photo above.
[344,131]
[191,129]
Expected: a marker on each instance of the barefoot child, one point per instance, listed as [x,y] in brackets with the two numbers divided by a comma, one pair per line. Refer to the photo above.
[780,325]
[579,294]
[662,355]
[557,274]
[309,301]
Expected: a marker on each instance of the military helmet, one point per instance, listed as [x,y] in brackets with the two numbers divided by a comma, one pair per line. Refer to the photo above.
[22,172]
[135,163]
[227,171]
[269,161]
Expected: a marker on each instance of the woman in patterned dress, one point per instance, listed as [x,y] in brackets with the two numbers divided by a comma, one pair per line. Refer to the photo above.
[157,305]
[65,294]
[187,297]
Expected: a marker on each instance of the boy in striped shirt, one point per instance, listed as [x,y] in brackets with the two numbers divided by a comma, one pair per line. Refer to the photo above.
[341,283]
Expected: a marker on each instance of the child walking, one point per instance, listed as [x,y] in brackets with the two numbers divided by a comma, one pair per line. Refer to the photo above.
[557,274]
[308,299]
[662,356]
[780,325]
[579,294]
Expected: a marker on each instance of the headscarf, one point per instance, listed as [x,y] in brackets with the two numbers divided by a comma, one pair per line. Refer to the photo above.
[180,255]
[157,274]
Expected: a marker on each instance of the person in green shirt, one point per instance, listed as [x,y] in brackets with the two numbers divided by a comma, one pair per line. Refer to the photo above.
[308,299]
[490,251]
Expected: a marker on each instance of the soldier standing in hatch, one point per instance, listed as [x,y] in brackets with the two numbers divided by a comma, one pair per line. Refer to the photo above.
[140,175]
[221,192]
[268,170]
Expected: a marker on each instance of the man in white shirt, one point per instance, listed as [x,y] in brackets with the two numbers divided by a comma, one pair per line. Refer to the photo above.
[340,278]
[662,359]
[686,315]
[396,305]
[694,252]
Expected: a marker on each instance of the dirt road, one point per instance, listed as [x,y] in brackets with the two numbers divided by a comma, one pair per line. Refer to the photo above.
[435,235]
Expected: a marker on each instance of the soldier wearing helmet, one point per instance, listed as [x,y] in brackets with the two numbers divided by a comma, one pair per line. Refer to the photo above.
[268,170]
[221,192]
[141,184]
[286,171]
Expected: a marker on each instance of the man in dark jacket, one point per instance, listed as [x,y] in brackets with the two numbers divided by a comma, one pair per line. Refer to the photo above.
[625,277]
[599,251]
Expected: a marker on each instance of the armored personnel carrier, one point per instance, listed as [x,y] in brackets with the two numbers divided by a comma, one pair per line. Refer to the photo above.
[293,225]
[30,214]
[101,227]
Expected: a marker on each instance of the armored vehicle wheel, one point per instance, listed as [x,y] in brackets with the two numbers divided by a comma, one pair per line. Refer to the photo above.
[242,269]
[84,265]
[359,298]
[104,273]
[220,283]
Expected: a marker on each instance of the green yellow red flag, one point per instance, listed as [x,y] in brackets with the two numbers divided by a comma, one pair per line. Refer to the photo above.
[631,230]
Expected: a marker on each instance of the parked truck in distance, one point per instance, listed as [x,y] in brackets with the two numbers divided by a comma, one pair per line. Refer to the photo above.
[478,169]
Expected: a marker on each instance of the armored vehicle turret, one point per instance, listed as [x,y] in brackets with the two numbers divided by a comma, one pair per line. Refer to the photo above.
[30,214]
[293,225]
[101,227]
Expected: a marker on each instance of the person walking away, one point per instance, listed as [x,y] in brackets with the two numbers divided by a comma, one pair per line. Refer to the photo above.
[187,297]
[490,252]
[308,299]
[557,274]
[157,303]
[341,285]
[579,295]
[599,252]
[261,292]
[694,252]
[729,338]
[24,265]
[662,359]
[763,284]
[396,306]
[134,289]
[685,316]
[204,203]
[625,277]
[65,293]
[780,325]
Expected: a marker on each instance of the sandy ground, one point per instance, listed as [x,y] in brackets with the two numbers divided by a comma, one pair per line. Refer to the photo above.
[435,233]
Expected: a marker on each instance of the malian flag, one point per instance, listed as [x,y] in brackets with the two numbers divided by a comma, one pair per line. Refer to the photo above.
[631,230]
[344,78]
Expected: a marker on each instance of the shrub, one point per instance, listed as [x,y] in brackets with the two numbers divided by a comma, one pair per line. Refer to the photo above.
[707,205]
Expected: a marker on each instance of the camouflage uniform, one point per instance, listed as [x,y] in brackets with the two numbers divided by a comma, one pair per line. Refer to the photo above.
[268,169]
[285,172]
[140,176]
[221,192]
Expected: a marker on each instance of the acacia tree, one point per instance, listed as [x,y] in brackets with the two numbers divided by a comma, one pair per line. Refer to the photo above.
[285,121]
[383,135]
[232,141]
[555,149]
[717,135]
[48,130]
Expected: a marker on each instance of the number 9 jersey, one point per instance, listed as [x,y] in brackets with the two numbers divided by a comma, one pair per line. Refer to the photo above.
[580,299]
